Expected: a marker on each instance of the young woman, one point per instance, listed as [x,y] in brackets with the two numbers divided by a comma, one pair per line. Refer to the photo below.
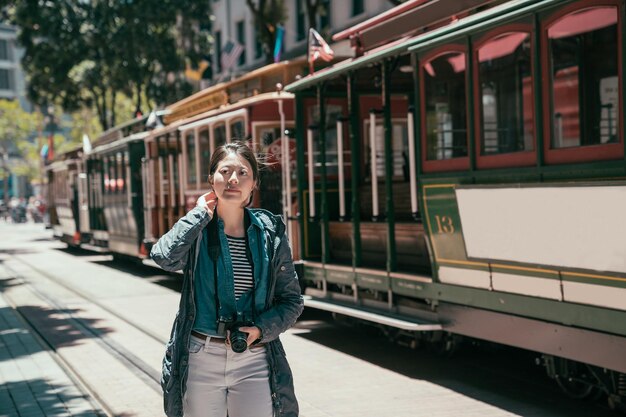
[240,292]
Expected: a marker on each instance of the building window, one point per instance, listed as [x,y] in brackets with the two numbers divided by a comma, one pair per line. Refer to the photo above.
[584,78]
[4,50]
[300,21]
[258,47]
[5,79]
[241,38]
[218,50]
[324,15]
[357,7]
[444,105]
[505,94]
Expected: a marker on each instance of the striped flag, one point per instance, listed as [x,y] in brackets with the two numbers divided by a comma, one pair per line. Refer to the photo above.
[318,48]
[230,54]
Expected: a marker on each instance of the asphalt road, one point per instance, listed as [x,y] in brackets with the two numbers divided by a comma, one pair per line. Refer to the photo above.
[108,319]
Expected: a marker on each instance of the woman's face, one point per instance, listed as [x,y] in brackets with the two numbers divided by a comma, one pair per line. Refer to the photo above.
[233,181]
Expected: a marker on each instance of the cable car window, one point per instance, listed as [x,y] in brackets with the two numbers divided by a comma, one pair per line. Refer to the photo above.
[584,83]
[190,140]
[506,96]
[112,174]
[126,170]
[445,106]
[333,112]
[237,130]
[219,133]
[119,170]
[400,149]
[205,153]
[107,186]
[163,161]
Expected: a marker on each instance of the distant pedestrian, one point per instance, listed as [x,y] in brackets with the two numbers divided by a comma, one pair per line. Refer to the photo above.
[240,291]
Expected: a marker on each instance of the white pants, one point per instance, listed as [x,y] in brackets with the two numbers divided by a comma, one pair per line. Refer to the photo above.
[223,383]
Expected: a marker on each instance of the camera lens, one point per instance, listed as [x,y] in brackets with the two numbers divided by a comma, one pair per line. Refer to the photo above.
[238,341]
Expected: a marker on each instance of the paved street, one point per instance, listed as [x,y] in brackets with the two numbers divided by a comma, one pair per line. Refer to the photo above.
[82,335]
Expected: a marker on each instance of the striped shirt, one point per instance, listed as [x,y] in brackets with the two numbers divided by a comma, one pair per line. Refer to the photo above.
[242,270]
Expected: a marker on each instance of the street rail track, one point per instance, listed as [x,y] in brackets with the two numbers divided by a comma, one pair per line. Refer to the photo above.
[354,342]
[148,374]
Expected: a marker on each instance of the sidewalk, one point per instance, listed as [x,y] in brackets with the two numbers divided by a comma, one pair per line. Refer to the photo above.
[32,383]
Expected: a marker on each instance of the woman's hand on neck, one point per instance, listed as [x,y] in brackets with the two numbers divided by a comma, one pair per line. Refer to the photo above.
[233,218]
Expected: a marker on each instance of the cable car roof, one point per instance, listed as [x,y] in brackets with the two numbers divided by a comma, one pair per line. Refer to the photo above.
[463,26]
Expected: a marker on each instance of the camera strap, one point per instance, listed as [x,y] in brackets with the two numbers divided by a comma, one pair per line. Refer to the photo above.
[214,250]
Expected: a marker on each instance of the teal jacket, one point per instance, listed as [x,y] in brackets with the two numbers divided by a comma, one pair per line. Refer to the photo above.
[279,301]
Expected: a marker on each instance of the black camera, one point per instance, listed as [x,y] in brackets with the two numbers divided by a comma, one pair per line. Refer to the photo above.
[238,340]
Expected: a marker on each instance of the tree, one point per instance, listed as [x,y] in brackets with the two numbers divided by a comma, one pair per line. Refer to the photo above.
[267,16]
[16,127]
[84,53]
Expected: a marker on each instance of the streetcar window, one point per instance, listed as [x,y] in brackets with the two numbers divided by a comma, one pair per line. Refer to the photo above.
[190,140]
[119,172]
[219,135]
[237,130]
[106,176]
[399,145]
[205,153]
[112,175]
[268,135]
[505,94]
[584,84]
[126,170]
[445,106]
[333,112]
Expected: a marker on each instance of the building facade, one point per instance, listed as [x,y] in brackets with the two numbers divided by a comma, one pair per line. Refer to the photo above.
[234,22]
[12,82]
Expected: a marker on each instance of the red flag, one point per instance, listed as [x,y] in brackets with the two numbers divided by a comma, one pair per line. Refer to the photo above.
[318,48]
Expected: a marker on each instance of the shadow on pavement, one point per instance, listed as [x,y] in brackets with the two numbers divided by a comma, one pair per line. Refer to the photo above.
[156,276]
[16,251]
[502,376]
[74,251]
[49,400]
[53,325]
[7,282]
[45,239]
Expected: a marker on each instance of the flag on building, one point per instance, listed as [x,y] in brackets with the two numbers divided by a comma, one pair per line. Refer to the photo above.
[318,48]
[154,121]
[44,151]
[230,54]
[86,144]
[278,46]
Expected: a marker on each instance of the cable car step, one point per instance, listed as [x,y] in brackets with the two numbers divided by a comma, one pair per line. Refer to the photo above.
[94,248]
[149,262]
[404,323]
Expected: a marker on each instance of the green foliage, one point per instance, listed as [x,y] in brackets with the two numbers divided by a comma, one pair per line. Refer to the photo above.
[16,125]
[16,128]
[86,53]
